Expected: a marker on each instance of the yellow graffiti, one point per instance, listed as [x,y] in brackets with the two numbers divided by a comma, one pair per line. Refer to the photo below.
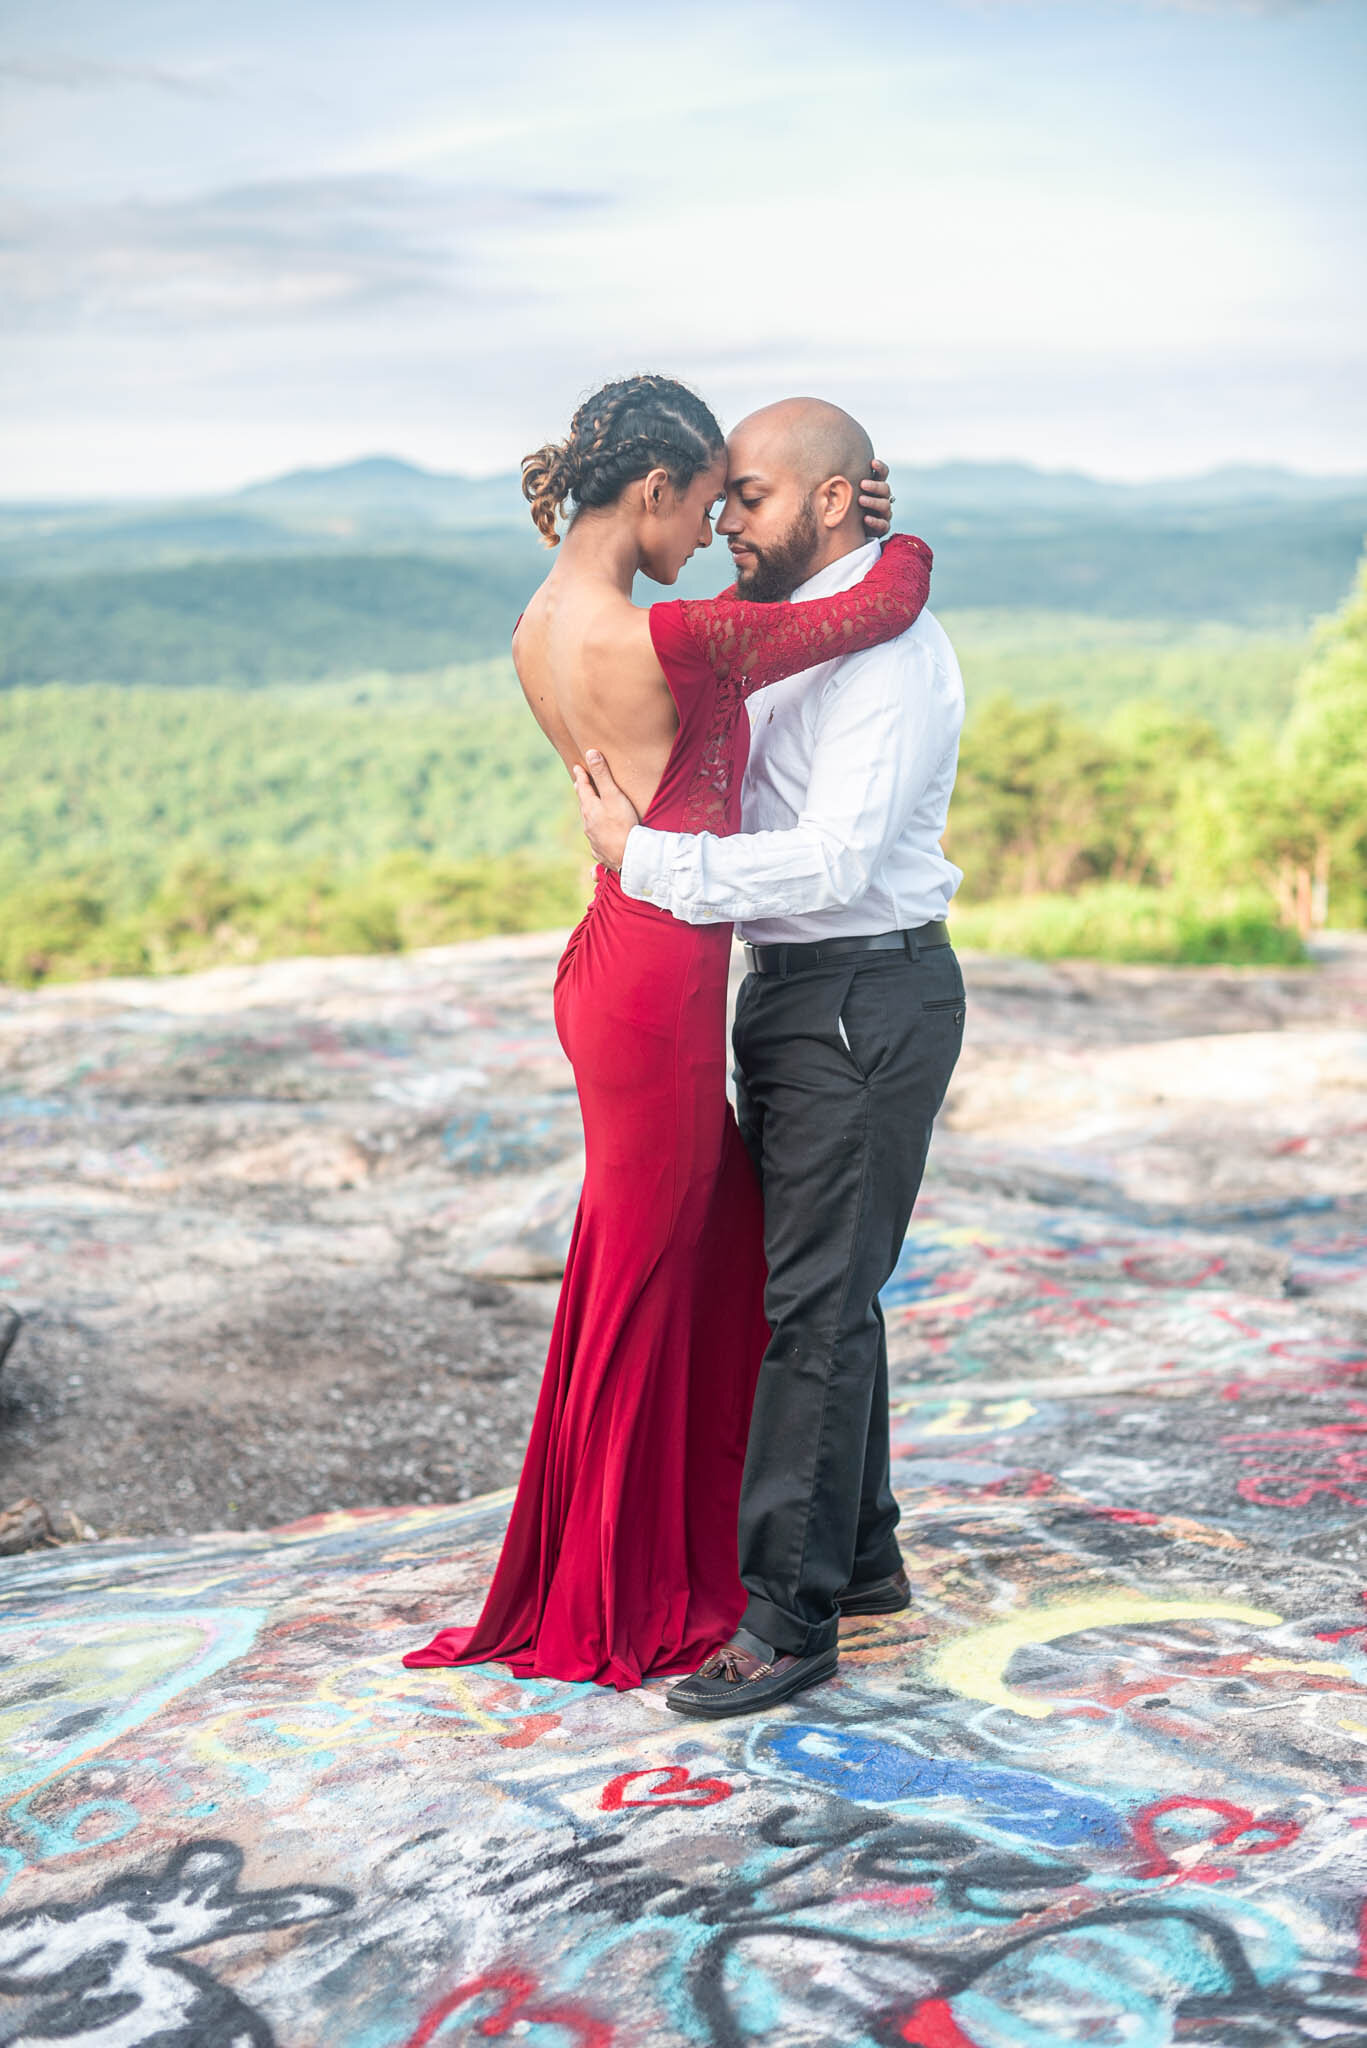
[937,1304]
[361,1705]
[390,1521]
[1200,1532]
[1328,1665]
[992,1415]
[95,1677]
[976,1665]
[460,1690]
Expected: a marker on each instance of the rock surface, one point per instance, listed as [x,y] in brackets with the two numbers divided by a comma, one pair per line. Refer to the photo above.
[1104,1782]
[261,1222]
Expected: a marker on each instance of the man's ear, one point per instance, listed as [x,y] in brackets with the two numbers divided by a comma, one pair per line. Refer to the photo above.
[833,500]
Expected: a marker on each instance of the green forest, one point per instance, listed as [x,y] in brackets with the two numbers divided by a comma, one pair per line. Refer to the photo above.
[286,721]
[248,623]
[1133,792]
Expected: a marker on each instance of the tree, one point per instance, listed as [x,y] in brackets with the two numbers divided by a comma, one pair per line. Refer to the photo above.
[1035,806]
[1324,757]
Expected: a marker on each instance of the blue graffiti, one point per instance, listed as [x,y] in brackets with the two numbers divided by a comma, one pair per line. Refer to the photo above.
[33,1106]
[874,1771]
[508,1138]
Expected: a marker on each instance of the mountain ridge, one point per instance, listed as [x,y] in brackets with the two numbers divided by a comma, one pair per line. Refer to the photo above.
[389,475]
[1264,546]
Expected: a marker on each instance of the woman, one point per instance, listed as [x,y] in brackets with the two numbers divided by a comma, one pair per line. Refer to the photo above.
[620,1557]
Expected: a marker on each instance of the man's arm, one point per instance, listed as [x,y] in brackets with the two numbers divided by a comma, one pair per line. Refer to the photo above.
[878,740]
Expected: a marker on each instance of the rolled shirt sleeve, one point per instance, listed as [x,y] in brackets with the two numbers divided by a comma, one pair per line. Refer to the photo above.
[876,744]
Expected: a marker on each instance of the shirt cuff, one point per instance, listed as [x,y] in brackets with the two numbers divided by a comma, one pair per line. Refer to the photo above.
[643,864]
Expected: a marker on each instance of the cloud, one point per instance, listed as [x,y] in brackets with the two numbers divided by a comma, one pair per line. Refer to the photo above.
[269,250]
[1085,233]
[1189,6]
[60,72]
[1253,7]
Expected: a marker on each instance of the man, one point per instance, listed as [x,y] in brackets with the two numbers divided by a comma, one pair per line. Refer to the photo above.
[847,1030]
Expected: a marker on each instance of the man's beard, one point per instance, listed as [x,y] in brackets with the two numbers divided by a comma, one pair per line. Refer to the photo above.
[777,570]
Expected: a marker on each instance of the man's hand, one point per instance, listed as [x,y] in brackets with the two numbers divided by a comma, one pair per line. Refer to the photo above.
[876,501]
[607,814]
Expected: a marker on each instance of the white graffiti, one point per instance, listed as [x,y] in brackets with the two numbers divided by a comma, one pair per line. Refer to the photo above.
[111,1973]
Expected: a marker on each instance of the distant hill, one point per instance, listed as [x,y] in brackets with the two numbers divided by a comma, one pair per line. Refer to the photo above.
[381,564]
[376,504]
[382,502]
[992,487]
[381,486]
[247,623]
[387,480]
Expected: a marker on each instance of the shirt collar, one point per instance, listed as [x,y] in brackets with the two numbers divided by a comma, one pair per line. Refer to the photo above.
[841,574]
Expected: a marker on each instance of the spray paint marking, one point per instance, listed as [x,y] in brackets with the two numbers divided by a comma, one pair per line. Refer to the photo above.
[975,1666]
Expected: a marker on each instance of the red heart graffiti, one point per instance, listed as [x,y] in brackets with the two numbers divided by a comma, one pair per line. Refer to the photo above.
[1238,1823]
[528,1730]
[678,1789]
[517,1989]
[933,2025]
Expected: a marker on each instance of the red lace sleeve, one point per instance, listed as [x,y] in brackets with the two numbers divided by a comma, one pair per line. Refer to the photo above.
[749,645]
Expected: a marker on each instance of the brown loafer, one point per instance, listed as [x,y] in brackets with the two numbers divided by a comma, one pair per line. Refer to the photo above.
[746,1675]
[877,1596]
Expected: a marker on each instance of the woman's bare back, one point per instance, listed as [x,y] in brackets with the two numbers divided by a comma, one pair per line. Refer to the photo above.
[587,667]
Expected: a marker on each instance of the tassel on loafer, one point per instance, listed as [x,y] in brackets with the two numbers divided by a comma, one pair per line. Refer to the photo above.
[745,1676]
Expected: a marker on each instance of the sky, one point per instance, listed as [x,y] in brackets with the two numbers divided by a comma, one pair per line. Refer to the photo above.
[1124,236]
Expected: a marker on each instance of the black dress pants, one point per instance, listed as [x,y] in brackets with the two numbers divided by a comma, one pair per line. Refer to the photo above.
[840,1070]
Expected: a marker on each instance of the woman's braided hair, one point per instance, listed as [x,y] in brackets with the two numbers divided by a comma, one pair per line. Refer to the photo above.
[621,433]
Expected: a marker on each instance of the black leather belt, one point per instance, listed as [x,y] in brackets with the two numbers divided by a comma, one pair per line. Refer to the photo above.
[792,959]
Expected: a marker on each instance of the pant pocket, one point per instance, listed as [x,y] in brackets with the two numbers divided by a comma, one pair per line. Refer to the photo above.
[864,1024]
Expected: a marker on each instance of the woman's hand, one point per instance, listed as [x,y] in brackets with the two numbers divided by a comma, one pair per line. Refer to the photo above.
[876,501]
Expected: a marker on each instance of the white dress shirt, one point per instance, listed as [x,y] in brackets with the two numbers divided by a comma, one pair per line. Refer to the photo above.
[844,800]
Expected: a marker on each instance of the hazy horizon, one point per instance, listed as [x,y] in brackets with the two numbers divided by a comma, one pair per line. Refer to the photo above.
[418,465]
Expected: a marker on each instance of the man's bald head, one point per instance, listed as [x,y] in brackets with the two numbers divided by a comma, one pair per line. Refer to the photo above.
[793,472]
[810,438]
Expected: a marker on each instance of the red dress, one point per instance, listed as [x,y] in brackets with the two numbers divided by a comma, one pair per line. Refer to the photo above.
[620,1559]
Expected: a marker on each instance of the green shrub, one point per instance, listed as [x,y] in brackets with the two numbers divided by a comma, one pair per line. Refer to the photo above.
[1122,921]
[202,916]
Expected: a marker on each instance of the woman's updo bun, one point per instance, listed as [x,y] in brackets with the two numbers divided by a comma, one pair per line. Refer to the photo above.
[548,477]
[617,436]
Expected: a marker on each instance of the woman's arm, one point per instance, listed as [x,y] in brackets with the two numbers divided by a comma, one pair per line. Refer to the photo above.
[750,645]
